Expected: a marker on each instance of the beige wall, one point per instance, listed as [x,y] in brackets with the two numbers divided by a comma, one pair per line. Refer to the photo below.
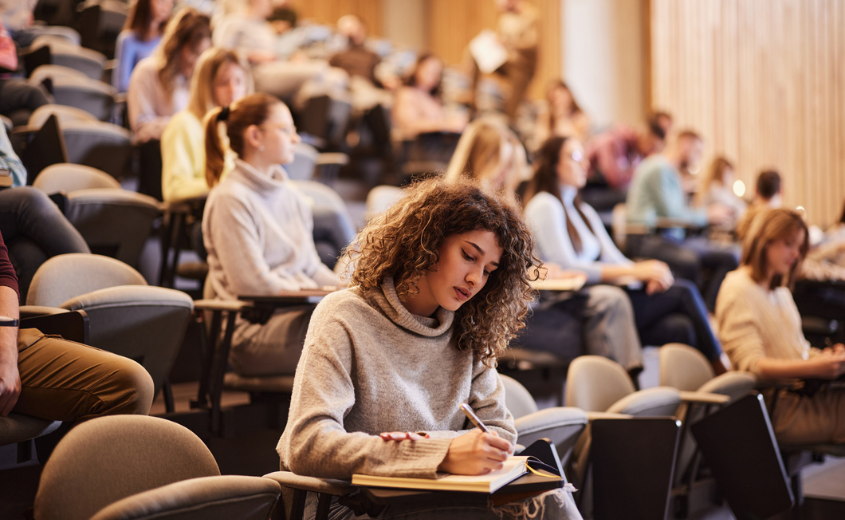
[764,82]
[405,23]
[604,58]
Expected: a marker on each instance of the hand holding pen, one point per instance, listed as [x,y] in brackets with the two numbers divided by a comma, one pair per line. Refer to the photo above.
[476,452]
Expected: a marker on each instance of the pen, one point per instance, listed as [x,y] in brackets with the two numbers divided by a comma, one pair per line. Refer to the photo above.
[474,418]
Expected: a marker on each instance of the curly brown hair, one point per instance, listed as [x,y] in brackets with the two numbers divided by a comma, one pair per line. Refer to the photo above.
[404,242]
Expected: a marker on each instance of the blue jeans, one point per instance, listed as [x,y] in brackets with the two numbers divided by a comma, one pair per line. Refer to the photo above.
[675,315]
[34,230]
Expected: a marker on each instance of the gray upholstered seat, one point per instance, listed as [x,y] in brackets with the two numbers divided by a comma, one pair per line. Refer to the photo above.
[134,467]
[304,162]
[64,113]
[93,96]
[100,145]
[126,316]
[64,53]
[69,177]
[562,424]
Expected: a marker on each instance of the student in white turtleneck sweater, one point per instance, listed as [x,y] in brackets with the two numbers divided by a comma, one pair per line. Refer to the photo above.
[258,228]
[570,233]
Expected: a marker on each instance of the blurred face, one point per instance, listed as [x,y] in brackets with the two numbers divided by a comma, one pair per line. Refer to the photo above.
[561,99]
[229,84]
[692,150]
[781,254]
[278,136]
[261,8]
[728,177]
[573,165]
[466,263]
[160,10]
[188,57]
[428,74]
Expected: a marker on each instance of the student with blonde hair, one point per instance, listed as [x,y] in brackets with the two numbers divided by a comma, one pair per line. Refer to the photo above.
[760,329]
[258,228]
[221,78]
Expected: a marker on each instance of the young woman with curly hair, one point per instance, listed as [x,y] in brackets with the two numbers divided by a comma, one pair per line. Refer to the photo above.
[441,285]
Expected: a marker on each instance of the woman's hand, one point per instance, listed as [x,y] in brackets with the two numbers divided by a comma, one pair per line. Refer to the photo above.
[476,453]
[655,274]
[830,364]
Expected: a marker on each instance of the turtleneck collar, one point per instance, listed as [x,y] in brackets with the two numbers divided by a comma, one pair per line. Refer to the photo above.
[568,193]
[259,181]
[388,302]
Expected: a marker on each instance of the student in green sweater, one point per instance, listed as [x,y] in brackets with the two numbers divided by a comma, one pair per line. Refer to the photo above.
[440,287]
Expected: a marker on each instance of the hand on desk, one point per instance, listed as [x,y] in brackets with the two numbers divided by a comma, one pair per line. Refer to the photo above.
[476,453]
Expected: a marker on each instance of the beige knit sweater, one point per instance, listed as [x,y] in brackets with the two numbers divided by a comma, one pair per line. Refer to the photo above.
[755,322]
[370,366]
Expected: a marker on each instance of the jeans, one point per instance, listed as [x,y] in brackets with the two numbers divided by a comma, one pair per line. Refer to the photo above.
[34,230]
[677,315]
[688,258]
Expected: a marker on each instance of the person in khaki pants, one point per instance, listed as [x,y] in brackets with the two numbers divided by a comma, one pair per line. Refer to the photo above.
[55,379]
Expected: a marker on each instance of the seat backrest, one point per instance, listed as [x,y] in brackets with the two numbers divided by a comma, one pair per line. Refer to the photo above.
[100,145]
[381,198]
[683,367]
[109,458]
[93,96]
[68,177]
[66,276]
[52,72]
[304,162]
[87,61]
[517,399]
[64,113]
[17,427]
[114,222]
[146,324]
[593,383]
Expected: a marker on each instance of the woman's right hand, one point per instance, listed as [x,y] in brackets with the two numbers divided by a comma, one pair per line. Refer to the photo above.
[655,273]
[830,364]
[476,453]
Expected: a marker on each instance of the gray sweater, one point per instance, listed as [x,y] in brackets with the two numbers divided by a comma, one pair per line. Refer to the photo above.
[258,232]
[370,366]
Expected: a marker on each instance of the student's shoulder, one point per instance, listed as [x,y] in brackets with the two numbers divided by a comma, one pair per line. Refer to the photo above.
[344,303]
[543,202]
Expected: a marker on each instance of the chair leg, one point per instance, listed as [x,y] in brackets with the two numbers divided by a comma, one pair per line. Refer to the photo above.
[297,509]
[323,505]
[167,393]
[218,372]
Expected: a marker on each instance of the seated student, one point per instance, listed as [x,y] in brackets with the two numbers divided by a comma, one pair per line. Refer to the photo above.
[221,78]
[159,84]
[140,36]
[356,59]
[418,108]
[48,377]
[248,31]
[760,329]
[563,116]
[18,98]
[767,196]
[440,287]
[657,192]
[570,233]
[490,153]
[717,188]
[257,228]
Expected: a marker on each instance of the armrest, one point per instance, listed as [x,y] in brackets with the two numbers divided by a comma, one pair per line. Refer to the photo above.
[332,158]
[220,305]
[704,398]
[72,326]
[312,484]
[31,311]
[592,416]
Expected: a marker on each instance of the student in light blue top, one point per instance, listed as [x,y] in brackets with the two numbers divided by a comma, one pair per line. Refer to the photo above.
[139,37]
[570,233]
[657,191]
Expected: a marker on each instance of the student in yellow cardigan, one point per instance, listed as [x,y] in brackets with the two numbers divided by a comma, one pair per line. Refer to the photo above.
[221,79]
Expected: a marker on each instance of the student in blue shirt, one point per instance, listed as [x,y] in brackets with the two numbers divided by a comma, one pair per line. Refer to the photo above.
[139,37]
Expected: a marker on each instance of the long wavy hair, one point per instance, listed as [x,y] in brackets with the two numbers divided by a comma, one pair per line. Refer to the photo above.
[404,242]
[187,29]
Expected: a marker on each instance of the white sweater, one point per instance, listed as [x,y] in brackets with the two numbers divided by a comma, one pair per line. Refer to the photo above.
[258,232]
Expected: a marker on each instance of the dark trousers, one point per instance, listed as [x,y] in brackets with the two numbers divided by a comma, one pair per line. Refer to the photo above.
[688,259]
[677,315]
[18,99]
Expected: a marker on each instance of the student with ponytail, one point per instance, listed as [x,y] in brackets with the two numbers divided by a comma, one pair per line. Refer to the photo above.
[257,228]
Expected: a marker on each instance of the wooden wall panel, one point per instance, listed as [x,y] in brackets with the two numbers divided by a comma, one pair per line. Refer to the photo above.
[763,81]
[328,11]
[452,24]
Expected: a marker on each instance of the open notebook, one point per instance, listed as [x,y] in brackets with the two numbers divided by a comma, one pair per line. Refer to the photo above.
[515,467]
